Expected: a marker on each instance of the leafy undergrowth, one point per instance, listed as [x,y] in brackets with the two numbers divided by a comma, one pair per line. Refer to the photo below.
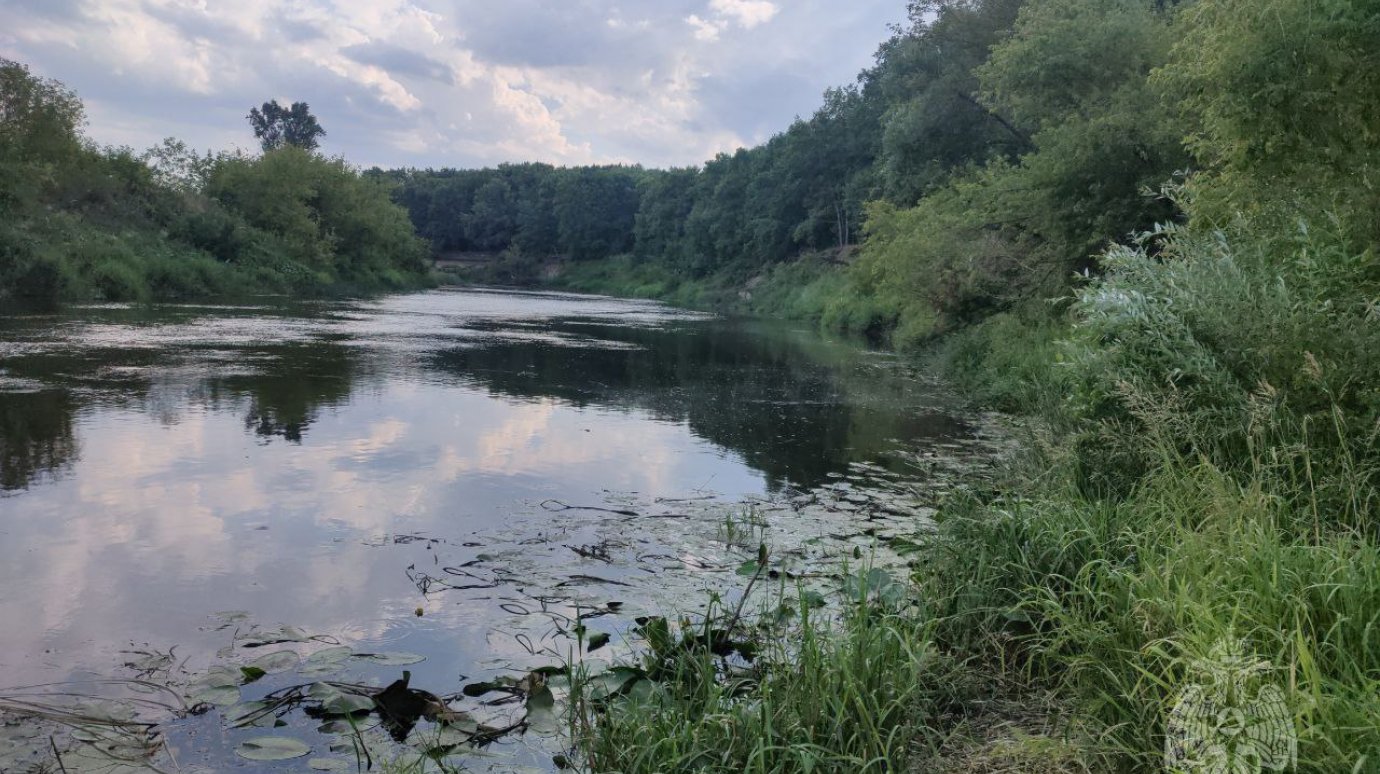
[808,693]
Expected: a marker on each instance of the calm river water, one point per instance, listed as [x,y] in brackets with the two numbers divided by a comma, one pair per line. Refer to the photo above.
[424,474]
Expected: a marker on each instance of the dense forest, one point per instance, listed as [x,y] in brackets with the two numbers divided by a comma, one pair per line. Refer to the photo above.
[80,222]
[1017,143]
[1151,225]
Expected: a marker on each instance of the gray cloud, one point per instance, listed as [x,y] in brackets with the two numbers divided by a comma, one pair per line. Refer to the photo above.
[454,82]
[399,61]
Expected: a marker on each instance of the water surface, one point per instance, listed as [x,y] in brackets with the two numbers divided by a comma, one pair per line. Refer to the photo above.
[324,465]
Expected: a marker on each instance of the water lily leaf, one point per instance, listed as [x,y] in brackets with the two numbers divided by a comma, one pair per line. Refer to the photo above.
[749,568]
[219,695]
[251,674]
[336,727]
[272,748]
[391,659]
[274,663]
[216,677]
[337,702]
[323,691]
[330,656]
[329,764]
[275,636]
[348,704]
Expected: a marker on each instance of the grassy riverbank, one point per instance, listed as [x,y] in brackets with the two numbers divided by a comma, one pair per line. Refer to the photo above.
[1199,475]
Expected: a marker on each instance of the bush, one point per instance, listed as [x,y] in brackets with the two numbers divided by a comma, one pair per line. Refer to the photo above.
[1009,361]
[1222,348]
[116,280]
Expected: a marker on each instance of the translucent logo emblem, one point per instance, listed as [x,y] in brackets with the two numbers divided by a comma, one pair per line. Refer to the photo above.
[1230,719]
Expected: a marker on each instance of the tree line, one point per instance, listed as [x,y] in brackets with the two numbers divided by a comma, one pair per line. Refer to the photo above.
[79,221]
[1072,132]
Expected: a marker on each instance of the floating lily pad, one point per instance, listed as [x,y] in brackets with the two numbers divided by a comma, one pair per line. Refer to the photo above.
[329,656]
[274,663]
[258,638]
[219,695]
[336,727]
[337,702]
[329,764]
[272,748]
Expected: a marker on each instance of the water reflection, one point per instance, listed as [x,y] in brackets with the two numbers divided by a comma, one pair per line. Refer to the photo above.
[36,436]
[286,399]
[794,407]
[164,463]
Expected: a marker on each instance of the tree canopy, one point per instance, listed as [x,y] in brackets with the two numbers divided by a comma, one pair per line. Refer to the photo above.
[276,126]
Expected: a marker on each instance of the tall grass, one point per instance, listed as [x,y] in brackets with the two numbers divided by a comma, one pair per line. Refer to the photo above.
[1112,602]
[853,695]
[1213,480]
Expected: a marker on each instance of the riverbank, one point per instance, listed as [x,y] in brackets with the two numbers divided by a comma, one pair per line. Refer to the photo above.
[1159,534]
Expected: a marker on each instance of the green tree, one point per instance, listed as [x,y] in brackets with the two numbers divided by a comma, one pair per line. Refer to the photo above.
[1281,102]
[276,126]
[40,118]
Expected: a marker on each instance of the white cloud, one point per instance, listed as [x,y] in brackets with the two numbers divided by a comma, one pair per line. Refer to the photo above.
[746,13]
[704,30]
[453,82]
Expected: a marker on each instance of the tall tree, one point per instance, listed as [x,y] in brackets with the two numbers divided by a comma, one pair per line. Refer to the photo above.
[276,126]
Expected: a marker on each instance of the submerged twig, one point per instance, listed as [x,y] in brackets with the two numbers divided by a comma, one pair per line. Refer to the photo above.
[560,506]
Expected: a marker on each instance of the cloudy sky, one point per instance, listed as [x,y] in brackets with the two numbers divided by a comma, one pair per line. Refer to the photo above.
[454,82]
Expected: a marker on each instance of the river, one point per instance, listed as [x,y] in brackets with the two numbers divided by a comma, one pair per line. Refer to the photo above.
[439,479]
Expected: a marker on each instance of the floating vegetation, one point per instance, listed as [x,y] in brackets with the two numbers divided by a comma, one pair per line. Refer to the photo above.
[699,600]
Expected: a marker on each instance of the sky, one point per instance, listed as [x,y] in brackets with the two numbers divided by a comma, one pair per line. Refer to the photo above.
[454,83]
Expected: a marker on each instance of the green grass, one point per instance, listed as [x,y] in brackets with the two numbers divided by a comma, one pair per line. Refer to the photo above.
[1201,472]
[854,695]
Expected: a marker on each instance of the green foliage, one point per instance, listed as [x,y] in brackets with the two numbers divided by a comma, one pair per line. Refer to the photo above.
[324,214]
[82,222]
[1113,603]
[1012,361]
[39,117]
[855,697]
[1227,346]
[277,127]
[1280,101]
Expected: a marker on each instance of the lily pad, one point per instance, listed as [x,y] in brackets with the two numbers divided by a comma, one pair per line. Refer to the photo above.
[272,748]
[219,695]
[275,663]
[337,702]
[329,656]
[329,764]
